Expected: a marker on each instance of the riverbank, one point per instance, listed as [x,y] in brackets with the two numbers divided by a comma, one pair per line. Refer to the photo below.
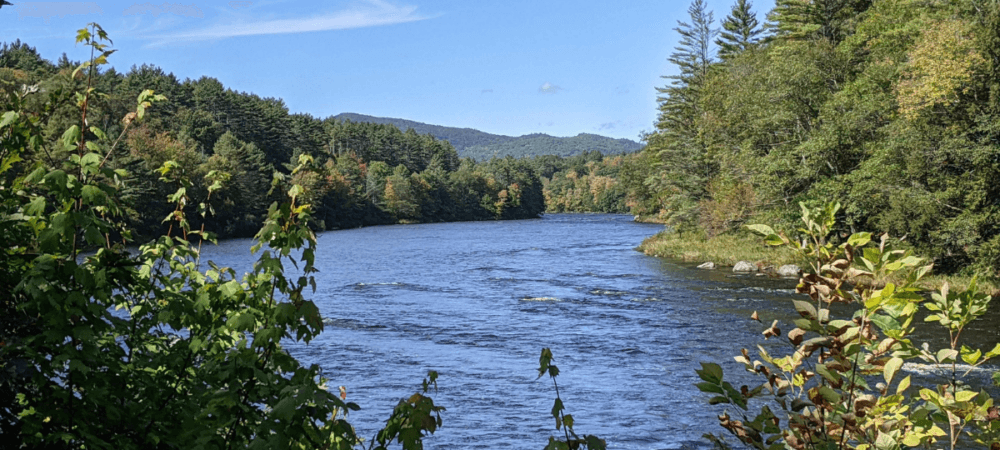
[727,250]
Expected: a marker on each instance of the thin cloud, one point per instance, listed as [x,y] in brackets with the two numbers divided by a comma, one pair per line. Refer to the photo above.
[165,8]
[486,91]
[549,88]
[609,125]
[48,10]
[373,13]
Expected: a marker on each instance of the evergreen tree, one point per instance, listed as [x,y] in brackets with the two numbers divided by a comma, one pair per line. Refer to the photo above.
[23,57]
[677,146]
[692,57]
[740,30]
[826,19]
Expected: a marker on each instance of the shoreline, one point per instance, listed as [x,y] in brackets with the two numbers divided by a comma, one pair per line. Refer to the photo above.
[726,250]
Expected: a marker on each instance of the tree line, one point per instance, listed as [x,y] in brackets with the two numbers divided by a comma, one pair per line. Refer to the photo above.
[482,146]
[369,173]
[890,107]
[109,341]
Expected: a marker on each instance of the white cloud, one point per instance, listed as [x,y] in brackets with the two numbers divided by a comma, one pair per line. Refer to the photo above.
[549,88]
[369,14]
[609,125]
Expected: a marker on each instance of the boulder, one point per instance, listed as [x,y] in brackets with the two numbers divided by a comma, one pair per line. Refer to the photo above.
[743,266]
[789,271]
[708,265]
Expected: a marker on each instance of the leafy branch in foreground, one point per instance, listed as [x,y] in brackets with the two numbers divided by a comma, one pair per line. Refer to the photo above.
[819,393]
[564,421]
[115,349]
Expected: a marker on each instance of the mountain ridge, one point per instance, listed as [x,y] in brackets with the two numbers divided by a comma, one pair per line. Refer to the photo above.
[480,145]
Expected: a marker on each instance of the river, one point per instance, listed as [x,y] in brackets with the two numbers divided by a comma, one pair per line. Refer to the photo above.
[477,301]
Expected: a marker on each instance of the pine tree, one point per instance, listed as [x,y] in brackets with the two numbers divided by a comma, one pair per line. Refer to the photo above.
[693,57]
[826,19]
[740,30]
[677,145]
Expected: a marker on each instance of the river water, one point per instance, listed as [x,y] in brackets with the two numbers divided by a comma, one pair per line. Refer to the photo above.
[477,301]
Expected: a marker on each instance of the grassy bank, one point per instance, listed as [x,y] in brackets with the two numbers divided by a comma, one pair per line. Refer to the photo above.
[723,250]
[726,250]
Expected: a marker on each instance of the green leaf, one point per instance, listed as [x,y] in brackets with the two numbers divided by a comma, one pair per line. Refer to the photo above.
[885,323]
[969,356]
[994,352]
[93,195]
[891,368]
[284,409]
[805,309]
[90,160]
[859,239]
[717,400]
[8,118]
[761,229]
[912,439]
[946,354]
[774,240]
[829,394]
[903,385]
[557,407]
[712,388]
[710,372]
[964,396]
[36,207]
[832,377]
[242,322]
[230,288]
[71,136]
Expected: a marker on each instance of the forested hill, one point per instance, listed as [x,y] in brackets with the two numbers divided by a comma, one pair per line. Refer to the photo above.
[226,146]
[482,146]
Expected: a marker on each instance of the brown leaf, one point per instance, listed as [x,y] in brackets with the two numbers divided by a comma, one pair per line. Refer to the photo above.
[773,331]
[796,335]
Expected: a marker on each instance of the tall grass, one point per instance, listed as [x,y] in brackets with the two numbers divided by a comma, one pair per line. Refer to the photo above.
[727,249]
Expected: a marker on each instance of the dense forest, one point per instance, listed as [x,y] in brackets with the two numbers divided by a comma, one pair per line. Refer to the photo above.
[890,107]
[873,116]
[371,173]
[588,182]
[483,146]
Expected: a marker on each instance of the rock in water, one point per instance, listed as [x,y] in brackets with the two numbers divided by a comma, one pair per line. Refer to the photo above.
[743,266]
[708,265]
[789,271]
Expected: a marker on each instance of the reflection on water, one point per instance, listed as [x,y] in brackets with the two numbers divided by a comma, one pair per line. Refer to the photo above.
[478,301]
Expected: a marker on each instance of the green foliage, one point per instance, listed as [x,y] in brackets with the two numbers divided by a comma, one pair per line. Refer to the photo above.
[586,183]
[411,419]
[740,30]
[482,146]
[564,421]
[889,106]
[823,383]
[205,127]
[831,20]
[153,349]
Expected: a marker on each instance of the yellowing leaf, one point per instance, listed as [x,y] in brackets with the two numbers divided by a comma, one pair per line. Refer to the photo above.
[890,369]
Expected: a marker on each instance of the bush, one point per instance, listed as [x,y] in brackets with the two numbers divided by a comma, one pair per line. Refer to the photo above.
[156,349]
[840,384]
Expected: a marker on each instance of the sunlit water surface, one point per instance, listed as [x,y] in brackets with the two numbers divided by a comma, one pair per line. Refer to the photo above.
[477,301]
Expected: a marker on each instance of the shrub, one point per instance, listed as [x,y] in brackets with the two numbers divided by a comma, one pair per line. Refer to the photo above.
[840,384]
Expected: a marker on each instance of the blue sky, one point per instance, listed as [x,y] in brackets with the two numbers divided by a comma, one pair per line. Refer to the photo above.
[508,67]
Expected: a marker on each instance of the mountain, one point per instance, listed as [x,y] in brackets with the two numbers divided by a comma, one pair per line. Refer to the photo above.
[481,146]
